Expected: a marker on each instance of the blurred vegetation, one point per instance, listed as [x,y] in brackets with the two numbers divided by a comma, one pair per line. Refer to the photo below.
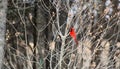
[37,34]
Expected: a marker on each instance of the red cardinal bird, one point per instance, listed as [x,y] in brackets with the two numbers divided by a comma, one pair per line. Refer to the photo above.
[73,34]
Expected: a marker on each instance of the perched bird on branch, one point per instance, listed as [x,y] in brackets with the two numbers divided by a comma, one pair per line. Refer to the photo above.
[73,34]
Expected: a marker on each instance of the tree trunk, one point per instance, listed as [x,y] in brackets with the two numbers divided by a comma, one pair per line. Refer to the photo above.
[41,23]
[3,7]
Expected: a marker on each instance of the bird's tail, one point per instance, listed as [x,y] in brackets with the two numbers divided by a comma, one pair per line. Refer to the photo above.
[76,41]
